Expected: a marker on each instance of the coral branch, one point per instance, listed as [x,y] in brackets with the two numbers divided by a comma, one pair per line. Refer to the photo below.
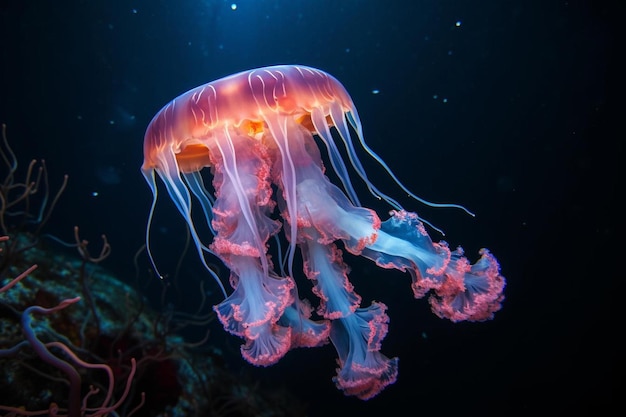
[82,244]
[48,357]
[18,279]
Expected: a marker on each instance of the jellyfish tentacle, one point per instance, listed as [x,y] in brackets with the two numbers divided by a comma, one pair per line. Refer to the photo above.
[461,291]
[243,226]
[364,371]
[280,134]
[319,123]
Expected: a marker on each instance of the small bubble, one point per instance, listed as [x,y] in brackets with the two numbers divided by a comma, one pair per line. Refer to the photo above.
[233,6]
[375,91]
[458,23]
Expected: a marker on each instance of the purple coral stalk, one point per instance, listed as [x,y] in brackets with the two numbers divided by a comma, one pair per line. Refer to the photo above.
[74,406]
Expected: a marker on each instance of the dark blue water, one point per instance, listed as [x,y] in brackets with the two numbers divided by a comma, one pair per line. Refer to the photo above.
[506,107]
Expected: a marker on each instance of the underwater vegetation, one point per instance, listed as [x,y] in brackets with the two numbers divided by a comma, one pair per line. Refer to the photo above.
[76,341]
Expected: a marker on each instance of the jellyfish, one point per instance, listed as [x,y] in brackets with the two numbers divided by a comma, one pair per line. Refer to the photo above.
[253,135]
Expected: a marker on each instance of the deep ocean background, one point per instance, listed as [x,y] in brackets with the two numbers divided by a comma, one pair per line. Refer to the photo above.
[508,107]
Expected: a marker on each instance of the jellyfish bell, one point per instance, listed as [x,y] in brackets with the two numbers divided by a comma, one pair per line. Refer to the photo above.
[254,132]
